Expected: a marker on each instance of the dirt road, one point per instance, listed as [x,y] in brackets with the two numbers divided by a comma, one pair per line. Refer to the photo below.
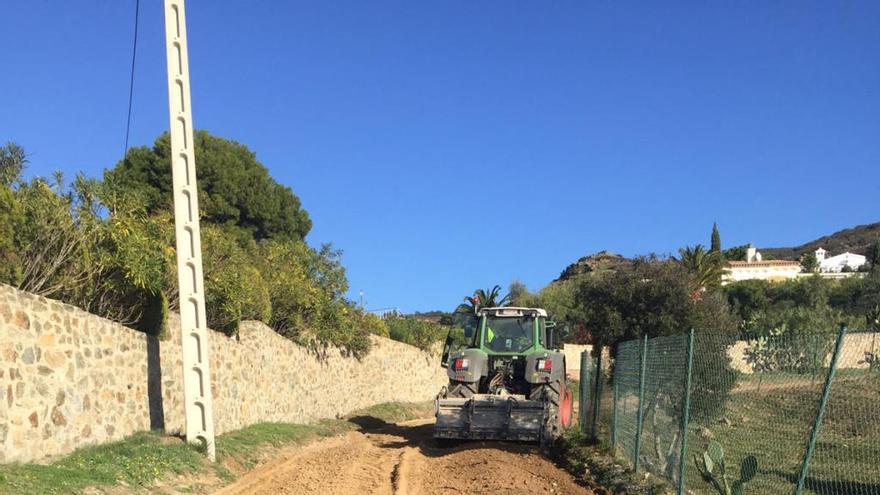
[392,459]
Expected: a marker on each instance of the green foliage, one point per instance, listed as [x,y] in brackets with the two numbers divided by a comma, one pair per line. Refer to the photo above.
[143,458]
[859,297]
[305,288]
[13,160]
[559,302]
[420,333]
[747,298]
[235,289]
[736,253]
[654,298]
[137,461]
[516,291]
[11,218]
[71,243]
[791,325]
[762,306]
[809,262]
[713,469]
[234,188]
[796,340]
[373,323]
[704,266]
[715,246]
[872,256]
[107,247]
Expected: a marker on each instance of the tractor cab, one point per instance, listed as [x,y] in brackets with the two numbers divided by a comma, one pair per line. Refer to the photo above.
[501,331]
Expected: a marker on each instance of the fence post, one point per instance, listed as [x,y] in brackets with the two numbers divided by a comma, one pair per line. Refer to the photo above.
[643,363]
[826,390]
[584,387]
[597,396]
[614,415]
[685,412]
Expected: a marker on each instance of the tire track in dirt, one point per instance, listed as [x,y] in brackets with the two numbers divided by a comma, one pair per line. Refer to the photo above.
[401,459]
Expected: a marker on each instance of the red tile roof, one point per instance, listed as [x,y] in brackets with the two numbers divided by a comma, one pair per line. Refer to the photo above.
[765,263]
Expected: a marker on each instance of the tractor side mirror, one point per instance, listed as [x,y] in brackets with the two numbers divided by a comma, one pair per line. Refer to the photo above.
[550,324]
[447,347]
[564,331]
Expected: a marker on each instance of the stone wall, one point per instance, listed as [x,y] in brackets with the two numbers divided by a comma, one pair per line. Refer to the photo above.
[852,353]
[69,378]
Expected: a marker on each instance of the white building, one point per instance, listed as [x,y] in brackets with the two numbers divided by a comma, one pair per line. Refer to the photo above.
[754,267]
[836,264]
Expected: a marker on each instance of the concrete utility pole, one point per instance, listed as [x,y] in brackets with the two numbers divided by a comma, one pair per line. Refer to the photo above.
[198,403]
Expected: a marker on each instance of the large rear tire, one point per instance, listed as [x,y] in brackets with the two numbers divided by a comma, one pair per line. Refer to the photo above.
[555,396]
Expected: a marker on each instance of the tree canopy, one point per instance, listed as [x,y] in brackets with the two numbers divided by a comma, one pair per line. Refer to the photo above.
[234,188]
[108,246]
[704,266]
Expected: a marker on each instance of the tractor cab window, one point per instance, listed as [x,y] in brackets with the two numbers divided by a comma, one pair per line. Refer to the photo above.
[509,334]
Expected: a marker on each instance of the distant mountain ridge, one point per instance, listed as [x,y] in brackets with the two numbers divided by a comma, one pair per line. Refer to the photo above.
[854,240]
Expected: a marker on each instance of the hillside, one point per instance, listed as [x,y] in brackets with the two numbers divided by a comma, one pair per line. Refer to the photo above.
[855,240]
[601,261]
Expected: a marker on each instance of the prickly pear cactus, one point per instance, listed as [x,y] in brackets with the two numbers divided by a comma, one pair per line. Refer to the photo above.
[714,471]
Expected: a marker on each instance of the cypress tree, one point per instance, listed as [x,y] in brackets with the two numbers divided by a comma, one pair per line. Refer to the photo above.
[716,240]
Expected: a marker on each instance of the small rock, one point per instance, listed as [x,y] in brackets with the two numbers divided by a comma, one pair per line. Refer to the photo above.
[28,356]
[21,319]
[58,419]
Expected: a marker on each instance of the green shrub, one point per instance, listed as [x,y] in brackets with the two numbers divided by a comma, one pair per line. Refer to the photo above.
[373,324]
[305,288]
[419,333]
[107,247]
[83,246]
[234,287]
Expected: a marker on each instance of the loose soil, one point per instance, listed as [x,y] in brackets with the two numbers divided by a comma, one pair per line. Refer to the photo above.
[391,459]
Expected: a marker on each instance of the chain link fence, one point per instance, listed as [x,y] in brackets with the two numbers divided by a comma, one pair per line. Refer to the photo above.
[792,413]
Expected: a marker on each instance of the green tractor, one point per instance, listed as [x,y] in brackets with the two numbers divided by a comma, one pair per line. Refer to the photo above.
[506,379]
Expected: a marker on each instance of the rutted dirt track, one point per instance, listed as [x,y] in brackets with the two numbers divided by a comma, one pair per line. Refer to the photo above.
[402,458]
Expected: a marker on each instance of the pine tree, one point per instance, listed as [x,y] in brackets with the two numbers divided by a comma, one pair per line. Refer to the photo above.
[716,240]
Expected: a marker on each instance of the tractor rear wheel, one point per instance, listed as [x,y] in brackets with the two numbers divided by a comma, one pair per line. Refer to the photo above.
[558,401]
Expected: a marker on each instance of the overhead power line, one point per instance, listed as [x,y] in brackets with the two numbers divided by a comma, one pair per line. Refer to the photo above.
[137,6]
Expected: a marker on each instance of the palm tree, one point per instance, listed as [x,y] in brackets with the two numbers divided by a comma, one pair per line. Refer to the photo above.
[489,298]
[705,266]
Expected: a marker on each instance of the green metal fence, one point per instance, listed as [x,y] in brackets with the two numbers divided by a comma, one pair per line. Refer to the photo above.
[794,413]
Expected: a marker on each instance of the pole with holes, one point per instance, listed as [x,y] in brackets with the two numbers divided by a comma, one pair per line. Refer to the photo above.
[198,404]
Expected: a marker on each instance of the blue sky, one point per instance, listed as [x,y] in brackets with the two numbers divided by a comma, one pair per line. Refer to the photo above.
[449,145]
